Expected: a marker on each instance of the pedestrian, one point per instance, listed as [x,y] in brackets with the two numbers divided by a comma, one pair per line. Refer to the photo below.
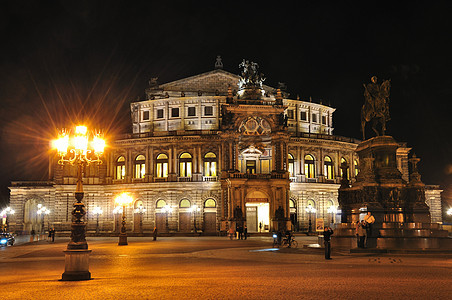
[361,232]
[154,233]
[356,233]
[32,237]
[53,235]
[327,233]
[245,232]
[231,233]
[260,226]
[240,232]
[370,220]
[50,234]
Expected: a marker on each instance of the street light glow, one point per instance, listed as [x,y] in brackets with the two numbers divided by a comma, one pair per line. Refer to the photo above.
[123,199]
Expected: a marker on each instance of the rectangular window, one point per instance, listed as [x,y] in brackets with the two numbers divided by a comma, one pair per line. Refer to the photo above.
[120,172]
[192,111]
[162,169]
[159,113]
[208,111]
[324,120]
[290,114]
[314,118]
[175,112]
[265,166]
[303,116]
[146,115]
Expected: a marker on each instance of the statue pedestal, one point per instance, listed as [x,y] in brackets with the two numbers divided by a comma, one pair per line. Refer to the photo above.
[76,265]
[402,218]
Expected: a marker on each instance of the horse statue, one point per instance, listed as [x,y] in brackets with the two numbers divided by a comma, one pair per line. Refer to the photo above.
[376,106]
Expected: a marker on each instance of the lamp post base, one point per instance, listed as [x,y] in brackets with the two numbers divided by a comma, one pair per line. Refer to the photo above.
[122,239]
[76,265]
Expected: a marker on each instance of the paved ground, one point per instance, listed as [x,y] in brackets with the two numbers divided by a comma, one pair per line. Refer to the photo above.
[217,268]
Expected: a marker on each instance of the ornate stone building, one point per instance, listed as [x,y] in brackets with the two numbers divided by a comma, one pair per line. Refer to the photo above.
[208,152]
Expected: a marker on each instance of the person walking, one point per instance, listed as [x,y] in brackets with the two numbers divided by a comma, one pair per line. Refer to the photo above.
[327,233]
[32,235]
[154,233]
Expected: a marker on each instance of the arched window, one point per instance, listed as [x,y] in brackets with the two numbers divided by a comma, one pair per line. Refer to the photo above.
[291,203]
[161,169]
[210,203]
[120,168]
[210,164]
[184,203]
[356,167]
[344,161]
[140,170]
[185,162]
[160,203]
[291,166]
[309,166]
[328,168]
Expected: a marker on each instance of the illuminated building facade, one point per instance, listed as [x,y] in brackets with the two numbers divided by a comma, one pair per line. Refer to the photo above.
[208,152]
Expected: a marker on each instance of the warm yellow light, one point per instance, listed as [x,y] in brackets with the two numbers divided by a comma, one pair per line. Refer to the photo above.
[81,130]
[80,142]
[61,144]
[124,199]
[98,145]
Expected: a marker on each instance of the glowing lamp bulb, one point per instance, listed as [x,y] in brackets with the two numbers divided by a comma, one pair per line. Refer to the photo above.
[61,144]
[98,145]
[124,199]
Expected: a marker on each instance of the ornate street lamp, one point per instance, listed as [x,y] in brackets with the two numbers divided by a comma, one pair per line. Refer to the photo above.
[97,211]
[310,210]
[4,215]
[332,210]
[78,148]
[140,210]
[194,209]
[167,210]
[123,200]
[42,211]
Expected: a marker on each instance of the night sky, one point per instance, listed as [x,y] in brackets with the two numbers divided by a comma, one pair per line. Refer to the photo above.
[68,61]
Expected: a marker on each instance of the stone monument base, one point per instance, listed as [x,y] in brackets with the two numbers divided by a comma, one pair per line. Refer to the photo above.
[395,236]
[76,265]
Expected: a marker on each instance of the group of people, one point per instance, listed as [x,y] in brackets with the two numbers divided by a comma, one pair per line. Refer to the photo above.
[241,233]
[363,229]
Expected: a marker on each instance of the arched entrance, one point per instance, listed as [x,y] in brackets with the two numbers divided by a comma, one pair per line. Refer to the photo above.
[31,219]
[210,216]
[257,212]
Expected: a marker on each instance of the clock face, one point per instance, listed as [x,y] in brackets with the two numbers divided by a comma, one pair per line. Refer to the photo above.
[255,126]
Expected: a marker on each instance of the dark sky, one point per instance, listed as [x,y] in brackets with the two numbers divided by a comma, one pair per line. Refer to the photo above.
[63,61]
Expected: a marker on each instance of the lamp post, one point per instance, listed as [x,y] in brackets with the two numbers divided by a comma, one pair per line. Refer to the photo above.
[167,209]
[140,210]
[97,211]
[78,148]
[42,211]
[310,210]
[332,210]
[194,209]
[123,200]
[4,214]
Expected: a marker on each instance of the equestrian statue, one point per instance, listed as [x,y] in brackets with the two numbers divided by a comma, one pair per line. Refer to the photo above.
[376,106]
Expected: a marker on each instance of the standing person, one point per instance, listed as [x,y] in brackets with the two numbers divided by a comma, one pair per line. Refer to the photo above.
[154,233]
[245,232]
[327,233]
[260,226]
[240,232]
[361,234]
[370,220]
[53,235]
[50,234]
[231,233]
[32,237]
